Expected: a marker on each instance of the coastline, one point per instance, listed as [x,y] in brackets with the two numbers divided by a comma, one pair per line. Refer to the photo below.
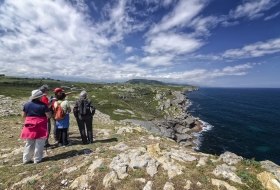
[239,118]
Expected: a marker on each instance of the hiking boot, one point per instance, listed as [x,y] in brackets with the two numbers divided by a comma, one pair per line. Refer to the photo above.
[47,145]
[28,162]
[69,144]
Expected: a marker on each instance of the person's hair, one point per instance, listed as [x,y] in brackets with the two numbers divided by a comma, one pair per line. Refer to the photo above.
[60,96]
[56,93]
[44,88]
[83,94]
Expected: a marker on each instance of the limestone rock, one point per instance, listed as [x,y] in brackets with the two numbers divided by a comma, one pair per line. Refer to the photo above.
[151,137]
[271,167]
[121,147]
[142,180]
[223,184]
[69,170]
[230,158]
[181,156]
[188,185]
[110,178]
[227,173]
[185,143]
[154,150]
[138,162]
[168,186]
[25,180]
[120,164]
[268,181]
[104,132]
[202,161]
[173,169]
[152,167]
[80,182]
[148,186]
[182,137]
[95,164]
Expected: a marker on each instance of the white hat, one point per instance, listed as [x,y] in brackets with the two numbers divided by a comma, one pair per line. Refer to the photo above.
[83,94]
[36,94]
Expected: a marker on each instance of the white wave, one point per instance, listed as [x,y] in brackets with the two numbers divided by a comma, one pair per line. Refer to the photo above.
[199,136]
[190,104]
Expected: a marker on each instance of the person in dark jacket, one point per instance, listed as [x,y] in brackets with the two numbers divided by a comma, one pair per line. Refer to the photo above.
[45,89]
[83,112]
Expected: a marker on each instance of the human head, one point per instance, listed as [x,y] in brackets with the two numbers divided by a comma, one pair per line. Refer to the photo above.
[83,94]
[45,89]
[36,94]
[58,90]
[61,96]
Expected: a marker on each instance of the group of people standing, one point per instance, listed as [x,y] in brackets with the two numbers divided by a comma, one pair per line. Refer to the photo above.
[39,112]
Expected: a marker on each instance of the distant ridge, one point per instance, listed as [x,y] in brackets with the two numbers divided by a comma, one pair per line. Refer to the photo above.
[153,82]
[145,81]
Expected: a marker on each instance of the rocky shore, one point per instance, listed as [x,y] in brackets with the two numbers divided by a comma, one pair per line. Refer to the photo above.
[130,154]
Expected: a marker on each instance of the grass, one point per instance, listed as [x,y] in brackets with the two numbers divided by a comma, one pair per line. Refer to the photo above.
[252,163]
[250,179]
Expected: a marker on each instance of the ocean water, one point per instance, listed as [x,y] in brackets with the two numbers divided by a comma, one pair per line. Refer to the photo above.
[243,121]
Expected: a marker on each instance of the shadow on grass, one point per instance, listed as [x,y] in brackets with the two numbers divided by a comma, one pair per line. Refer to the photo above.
[78,140]
[67,154]
[106,140]
[72,153]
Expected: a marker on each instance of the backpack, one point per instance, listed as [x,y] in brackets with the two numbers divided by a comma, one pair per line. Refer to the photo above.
[59,113]
[83,108]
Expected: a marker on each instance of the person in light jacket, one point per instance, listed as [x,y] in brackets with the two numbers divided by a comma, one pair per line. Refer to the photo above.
[35,130]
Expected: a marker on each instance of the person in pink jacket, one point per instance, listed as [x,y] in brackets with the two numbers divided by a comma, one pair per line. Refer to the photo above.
[35,130]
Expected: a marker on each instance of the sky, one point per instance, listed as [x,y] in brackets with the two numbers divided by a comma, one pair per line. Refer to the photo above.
[207,43]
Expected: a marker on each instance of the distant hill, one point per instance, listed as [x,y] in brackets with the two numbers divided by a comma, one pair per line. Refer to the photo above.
[153,82]
[145,81]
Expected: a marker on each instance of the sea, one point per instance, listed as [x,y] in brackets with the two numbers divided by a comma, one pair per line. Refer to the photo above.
[245,121]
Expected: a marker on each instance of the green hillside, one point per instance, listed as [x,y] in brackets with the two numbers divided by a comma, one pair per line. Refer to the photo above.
[145,82]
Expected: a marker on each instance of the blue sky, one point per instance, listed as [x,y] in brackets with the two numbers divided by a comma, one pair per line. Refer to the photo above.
[220,43]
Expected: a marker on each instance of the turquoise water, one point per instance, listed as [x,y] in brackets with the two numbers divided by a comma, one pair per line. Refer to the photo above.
[243,121]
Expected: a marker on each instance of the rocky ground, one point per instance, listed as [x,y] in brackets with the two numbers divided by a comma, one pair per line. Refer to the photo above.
[126,155]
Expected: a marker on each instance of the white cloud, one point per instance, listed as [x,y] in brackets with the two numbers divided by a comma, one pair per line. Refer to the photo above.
[93,6]
[203,24]
[272,16]
[160,60]
[237,68]
[166,3]
[132,58]
[183,12]
[128,49]
[44,36]
[254,50]
[203,76]
[227,23]
[171,43]
[252,9]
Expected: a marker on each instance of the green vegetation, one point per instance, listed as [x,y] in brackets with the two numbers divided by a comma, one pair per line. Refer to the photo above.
[133,101]
[250,179]
[145,82]
[251,162]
